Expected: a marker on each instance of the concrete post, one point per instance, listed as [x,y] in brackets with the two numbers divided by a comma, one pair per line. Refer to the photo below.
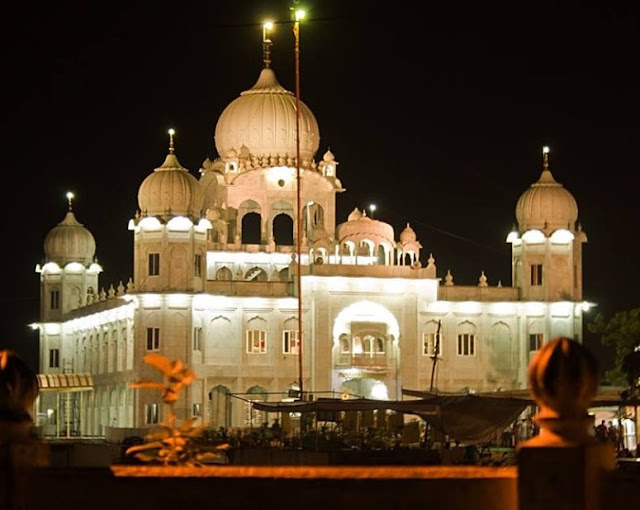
[563,467]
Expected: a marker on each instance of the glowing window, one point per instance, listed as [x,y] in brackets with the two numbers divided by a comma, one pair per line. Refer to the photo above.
[153,339]
[432,344]
[54,299]
[466,344]
[536,275]
[535,341]
[290,341]
[54,358]
[256,341]
[151,413]
[154,264]
[357,345]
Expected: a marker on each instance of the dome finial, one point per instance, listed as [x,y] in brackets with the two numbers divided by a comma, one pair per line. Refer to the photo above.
[171,147]
[267,26]
[70,197]
[545,157]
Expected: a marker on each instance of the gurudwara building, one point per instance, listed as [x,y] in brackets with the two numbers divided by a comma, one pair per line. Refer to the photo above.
[215,284]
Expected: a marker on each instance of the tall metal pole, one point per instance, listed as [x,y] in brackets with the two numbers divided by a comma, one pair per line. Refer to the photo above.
[434,357]
[296,34]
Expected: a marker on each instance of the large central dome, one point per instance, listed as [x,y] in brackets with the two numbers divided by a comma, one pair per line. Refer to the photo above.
[263,120]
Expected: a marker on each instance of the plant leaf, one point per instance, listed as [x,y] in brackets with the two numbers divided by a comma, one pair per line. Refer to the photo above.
[187,424]
[159,362]
[143,447]
[147,384]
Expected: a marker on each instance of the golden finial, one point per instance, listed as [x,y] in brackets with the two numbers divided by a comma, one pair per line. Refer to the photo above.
[70,197]
[171,133]
[267,26]
[545,157]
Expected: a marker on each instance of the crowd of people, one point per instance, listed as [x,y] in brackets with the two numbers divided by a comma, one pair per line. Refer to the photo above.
[613,433]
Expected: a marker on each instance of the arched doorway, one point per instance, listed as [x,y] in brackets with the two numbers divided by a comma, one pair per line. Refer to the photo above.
[366,352]
[220,407]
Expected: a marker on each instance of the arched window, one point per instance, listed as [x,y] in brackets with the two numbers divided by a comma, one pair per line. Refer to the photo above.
[367,344]
[357,345]
[345,348]
[251,229]
[283,230]
[466,339]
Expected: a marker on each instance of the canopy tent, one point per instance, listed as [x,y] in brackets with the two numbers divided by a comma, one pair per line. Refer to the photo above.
[468,418]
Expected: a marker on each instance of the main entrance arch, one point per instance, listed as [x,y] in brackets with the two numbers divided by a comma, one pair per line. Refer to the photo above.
[365,351]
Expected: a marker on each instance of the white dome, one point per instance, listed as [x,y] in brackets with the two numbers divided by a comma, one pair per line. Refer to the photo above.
[408,235]
[359,226]
[546,206]
[69,241]
[171,191]
[263,120]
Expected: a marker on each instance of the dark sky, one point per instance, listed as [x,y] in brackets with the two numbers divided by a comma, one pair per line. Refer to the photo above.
[437,115]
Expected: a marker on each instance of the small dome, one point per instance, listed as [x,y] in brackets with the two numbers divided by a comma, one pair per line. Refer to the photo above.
[408,235]
[69,241]
[354,215]
[328,156]
[546,206]
[171,191]
[263,119]
[359,226]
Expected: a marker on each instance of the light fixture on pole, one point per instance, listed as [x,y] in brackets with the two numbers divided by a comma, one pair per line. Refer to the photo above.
[372,208]
[298,14]
[267,26]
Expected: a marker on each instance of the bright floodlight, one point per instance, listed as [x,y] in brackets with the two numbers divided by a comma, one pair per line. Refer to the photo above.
[545,150]
[372,207]
[70,195]
[300,14]
[268,25]
[172,131]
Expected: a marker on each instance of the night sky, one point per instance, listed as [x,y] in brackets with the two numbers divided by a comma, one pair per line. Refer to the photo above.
[436,115]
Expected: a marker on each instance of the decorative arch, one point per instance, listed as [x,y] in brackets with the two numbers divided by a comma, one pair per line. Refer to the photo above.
[366,247]
[284,274]
[500,348]
[220,406]
[253,417]
[256,274]
[224,273]
[365,311]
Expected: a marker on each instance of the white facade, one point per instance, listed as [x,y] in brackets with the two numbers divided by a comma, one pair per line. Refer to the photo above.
[214,286]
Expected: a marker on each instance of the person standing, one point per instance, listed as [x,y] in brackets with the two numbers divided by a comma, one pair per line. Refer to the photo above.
[19,448]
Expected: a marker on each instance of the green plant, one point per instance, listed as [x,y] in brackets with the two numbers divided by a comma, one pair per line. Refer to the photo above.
[174,444]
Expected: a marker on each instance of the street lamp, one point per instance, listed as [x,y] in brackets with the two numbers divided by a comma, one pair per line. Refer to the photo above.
[298,15]
[372,208]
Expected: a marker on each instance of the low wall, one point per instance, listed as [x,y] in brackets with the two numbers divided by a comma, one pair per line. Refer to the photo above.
[308,487]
